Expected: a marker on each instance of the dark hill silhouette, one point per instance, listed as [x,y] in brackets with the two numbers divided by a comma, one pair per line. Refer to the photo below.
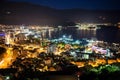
[26,13]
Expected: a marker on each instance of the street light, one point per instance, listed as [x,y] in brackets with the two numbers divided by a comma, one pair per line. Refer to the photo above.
[78,75]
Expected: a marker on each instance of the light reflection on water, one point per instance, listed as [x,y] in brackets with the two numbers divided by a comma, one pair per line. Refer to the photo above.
[107,34]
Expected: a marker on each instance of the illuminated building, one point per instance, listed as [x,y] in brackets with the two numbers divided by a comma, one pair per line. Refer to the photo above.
[7,38]
[51,48]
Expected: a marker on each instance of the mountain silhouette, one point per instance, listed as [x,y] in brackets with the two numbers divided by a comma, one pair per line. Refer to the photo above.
[27,13]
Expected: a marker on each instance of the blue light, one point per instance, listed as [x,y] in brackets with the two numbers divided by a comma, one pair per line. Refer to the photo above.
[64,36]
[2,34]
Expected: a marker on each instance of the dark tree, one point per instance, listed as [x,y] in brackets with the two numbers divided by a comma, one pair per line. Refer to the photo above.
[2,50]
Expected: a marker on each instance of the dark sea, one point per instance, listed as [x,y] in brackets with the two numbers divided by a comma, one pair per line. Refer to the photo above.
[109,34]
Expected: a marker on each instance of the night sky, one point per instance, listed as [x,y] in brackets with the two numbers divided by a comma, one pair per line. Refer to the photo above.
[83,4]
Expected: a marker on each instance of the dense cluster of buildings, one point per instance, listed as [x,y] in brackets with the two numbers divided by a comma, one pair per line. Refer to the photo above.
[28,48]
